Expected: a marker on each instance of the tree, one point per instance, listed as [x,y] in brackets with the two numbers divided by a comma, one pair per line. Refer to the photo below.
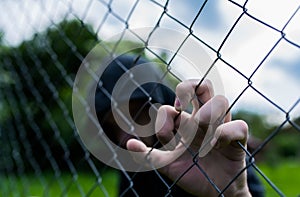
[36,84]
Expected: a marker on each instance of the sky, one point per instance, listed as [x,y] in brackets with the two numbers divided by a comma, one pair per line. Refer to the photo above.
[278,77]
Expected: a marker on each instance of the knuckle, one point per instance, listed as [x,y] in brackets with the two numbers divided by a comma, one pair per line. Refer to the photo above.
[163,109]
[222,100]
[208,84]
[243,127]
[162,133]
[181,86]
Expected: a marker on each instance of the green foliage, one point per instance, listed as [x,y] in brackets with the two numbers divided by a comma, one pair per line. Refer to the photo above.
[4,111]
[1,37]
[257,124]
[40,72]
[126,46]
[284,145]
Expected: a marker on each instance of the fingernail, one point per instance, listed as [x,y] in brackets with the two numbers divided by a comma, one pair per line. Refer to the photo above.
[177,104]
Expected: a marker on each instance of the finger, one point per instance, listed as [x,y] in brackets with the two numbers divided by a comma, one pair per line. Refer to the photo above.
[187,91]
[212,111]
[209,117]
[229,133]
[165,125]
[136,146]
[151,157]
[227,116]
[139,151]
[205,91]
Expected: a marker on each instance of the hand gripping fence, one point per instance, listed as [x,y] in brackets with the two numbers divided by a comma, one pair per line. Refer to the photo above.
[251,48]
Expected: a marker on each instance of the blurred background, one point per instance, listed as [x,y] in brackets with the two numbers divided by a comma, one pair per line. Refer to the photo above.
[254,45]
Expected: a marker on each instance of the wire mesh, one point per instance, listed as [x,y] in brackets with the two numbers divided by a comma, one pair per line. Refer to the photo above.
[44,43]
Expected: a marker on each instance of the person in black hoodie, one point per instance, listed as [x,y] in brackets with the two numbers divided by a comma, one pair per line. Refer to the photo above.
[156,182]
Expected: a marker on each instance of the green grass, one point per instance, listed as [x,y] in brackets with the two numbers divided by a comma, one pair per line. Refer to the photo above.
[285,175]
[64,185]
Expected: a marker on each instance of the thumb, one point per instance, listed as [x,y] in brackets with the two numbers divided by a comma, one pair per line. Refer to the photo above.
[152,158]
[136,146]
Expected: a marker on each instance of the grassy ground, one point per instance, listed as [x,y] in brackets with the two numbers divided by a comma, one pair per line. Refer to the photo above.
[285,175]
[66,185]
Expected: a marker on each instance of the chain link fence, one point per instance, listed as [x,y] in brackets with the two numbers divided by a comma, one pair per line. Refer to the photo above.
[254,46]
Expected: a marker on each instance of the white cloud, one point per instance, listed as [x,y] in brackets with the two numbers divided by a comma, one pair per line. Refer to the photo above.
[251,41]
[20,20]
[275,13]
[245,48]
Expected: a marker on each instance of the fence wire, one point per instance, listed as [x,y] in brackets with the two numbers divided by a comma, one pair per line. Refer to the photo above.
[42,153]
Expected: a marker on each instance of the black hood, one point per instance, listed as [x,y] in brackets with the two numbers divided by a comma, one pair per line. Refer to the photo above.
[158,92]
